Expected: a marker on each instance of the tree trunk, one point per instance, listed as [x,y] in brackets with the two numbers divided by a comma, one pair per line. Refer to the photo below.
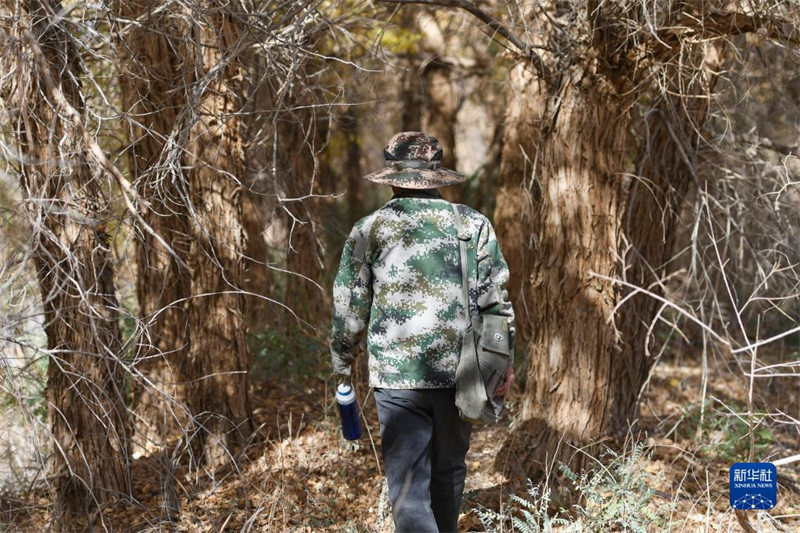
[89,462]
[665,173]
[558,217]
[185,85]
[410,81]
[150,72]
[564,208]
[482,197]
[440,120]
[411,98]
[349,127]
[441,97]
[281,147]
[305,248]
[217,363]
[259,197]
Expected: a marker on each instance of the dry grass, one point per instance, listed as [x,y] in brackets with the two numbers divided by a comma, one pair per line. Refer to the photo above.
[300,476]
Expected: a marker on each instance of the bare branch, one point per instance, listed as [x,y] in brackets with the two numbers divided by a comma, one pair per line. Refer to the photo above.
[525,48]
[717,23]
[93,148]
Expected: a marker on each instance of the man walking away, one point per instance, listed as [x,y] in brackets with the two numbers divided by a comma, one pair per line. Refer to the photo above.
[400,280]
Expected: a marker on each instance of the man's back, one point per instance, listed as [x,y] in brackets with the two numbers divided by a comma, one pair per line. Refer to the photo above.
[401,271]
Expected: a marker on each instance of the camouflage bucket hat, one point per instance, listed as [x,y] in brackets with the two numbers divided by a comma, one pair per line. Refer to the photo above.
[413,160]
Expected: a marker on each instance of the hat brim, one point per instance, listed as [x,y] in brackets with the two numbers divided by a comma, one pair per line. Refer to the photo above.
[416,178]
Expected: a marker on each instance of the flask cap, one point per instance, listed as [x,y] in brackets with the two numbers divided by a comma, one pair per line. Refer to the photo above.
[345,394]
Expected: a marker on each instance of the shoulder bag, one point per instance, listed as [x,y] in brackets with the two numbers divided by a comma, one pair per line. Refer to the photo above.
[485,352]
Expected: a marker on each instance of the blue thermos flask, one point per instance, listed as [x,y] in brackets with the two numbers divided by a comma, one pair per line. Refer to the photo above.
[348,411]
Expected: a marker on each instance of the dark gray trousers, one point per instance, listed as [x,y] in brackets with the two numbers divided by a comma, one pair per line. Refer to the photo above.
[424,443]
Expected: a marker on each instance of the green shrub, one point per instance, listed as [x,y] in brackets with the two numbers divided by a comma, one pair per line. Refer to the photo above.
[615,495]
[726,432]
[290,355]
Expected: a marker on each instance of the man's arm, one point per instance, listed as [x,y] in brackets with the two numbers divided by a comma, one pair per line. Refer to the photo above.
[352,298]
[493,297]
[493,276]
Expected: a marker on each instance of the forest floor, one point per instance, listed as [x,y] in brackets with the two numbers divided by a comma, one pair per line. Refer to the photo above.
[300,476]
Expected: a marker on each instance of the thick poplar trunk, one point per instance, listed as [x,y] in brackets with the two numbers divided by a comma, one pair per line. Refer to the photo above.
[217,364]
[569,220]
[150,72]
[186,87]
[665,173]
[89,461]
[558,216]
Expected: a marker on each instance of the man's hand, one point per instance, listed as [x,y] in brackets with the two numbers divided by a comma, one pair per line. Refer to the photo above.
[343,379]
[505,388]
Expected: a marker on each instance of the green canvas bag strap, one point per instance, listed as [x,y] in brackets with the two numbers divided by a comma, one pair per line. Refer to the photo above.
[463,237]
[471,394]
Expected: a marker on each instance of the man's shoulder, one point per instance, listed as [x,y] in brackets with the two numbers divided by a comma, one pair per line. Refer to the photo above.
[473,214]
[364,223]
[412,208]
[474,218]
[406,205]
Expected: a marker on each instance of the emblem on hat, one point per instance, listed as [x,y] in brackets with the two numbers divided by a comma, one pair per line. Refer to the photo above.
[413,160]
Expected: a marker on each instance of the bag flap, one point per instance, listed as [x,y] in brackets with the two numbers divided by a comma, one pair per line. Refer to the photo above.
[494,334]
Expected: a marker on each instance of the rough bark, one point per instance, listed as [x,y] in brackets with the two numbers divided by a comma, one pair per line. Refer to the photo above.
[558,217]
[441,100]
[150,71]
[89,462]
[566,213]
[188,90]
[217,362]
[665,173]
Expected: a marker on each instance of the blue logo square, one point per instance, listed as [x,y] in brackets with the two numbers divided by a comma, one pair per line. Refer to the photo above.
[753,486]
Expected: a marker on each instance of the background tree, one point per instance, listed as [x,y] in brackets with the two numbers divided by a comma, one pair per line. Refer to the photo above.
[297,136]
[567,137]
[66,188]
[188,156]
[218,361]
[154,82]
[224,132]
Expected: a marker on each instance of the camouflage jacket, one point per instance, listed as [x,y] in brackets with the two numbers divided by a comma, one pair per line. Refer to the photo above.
[400,279]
